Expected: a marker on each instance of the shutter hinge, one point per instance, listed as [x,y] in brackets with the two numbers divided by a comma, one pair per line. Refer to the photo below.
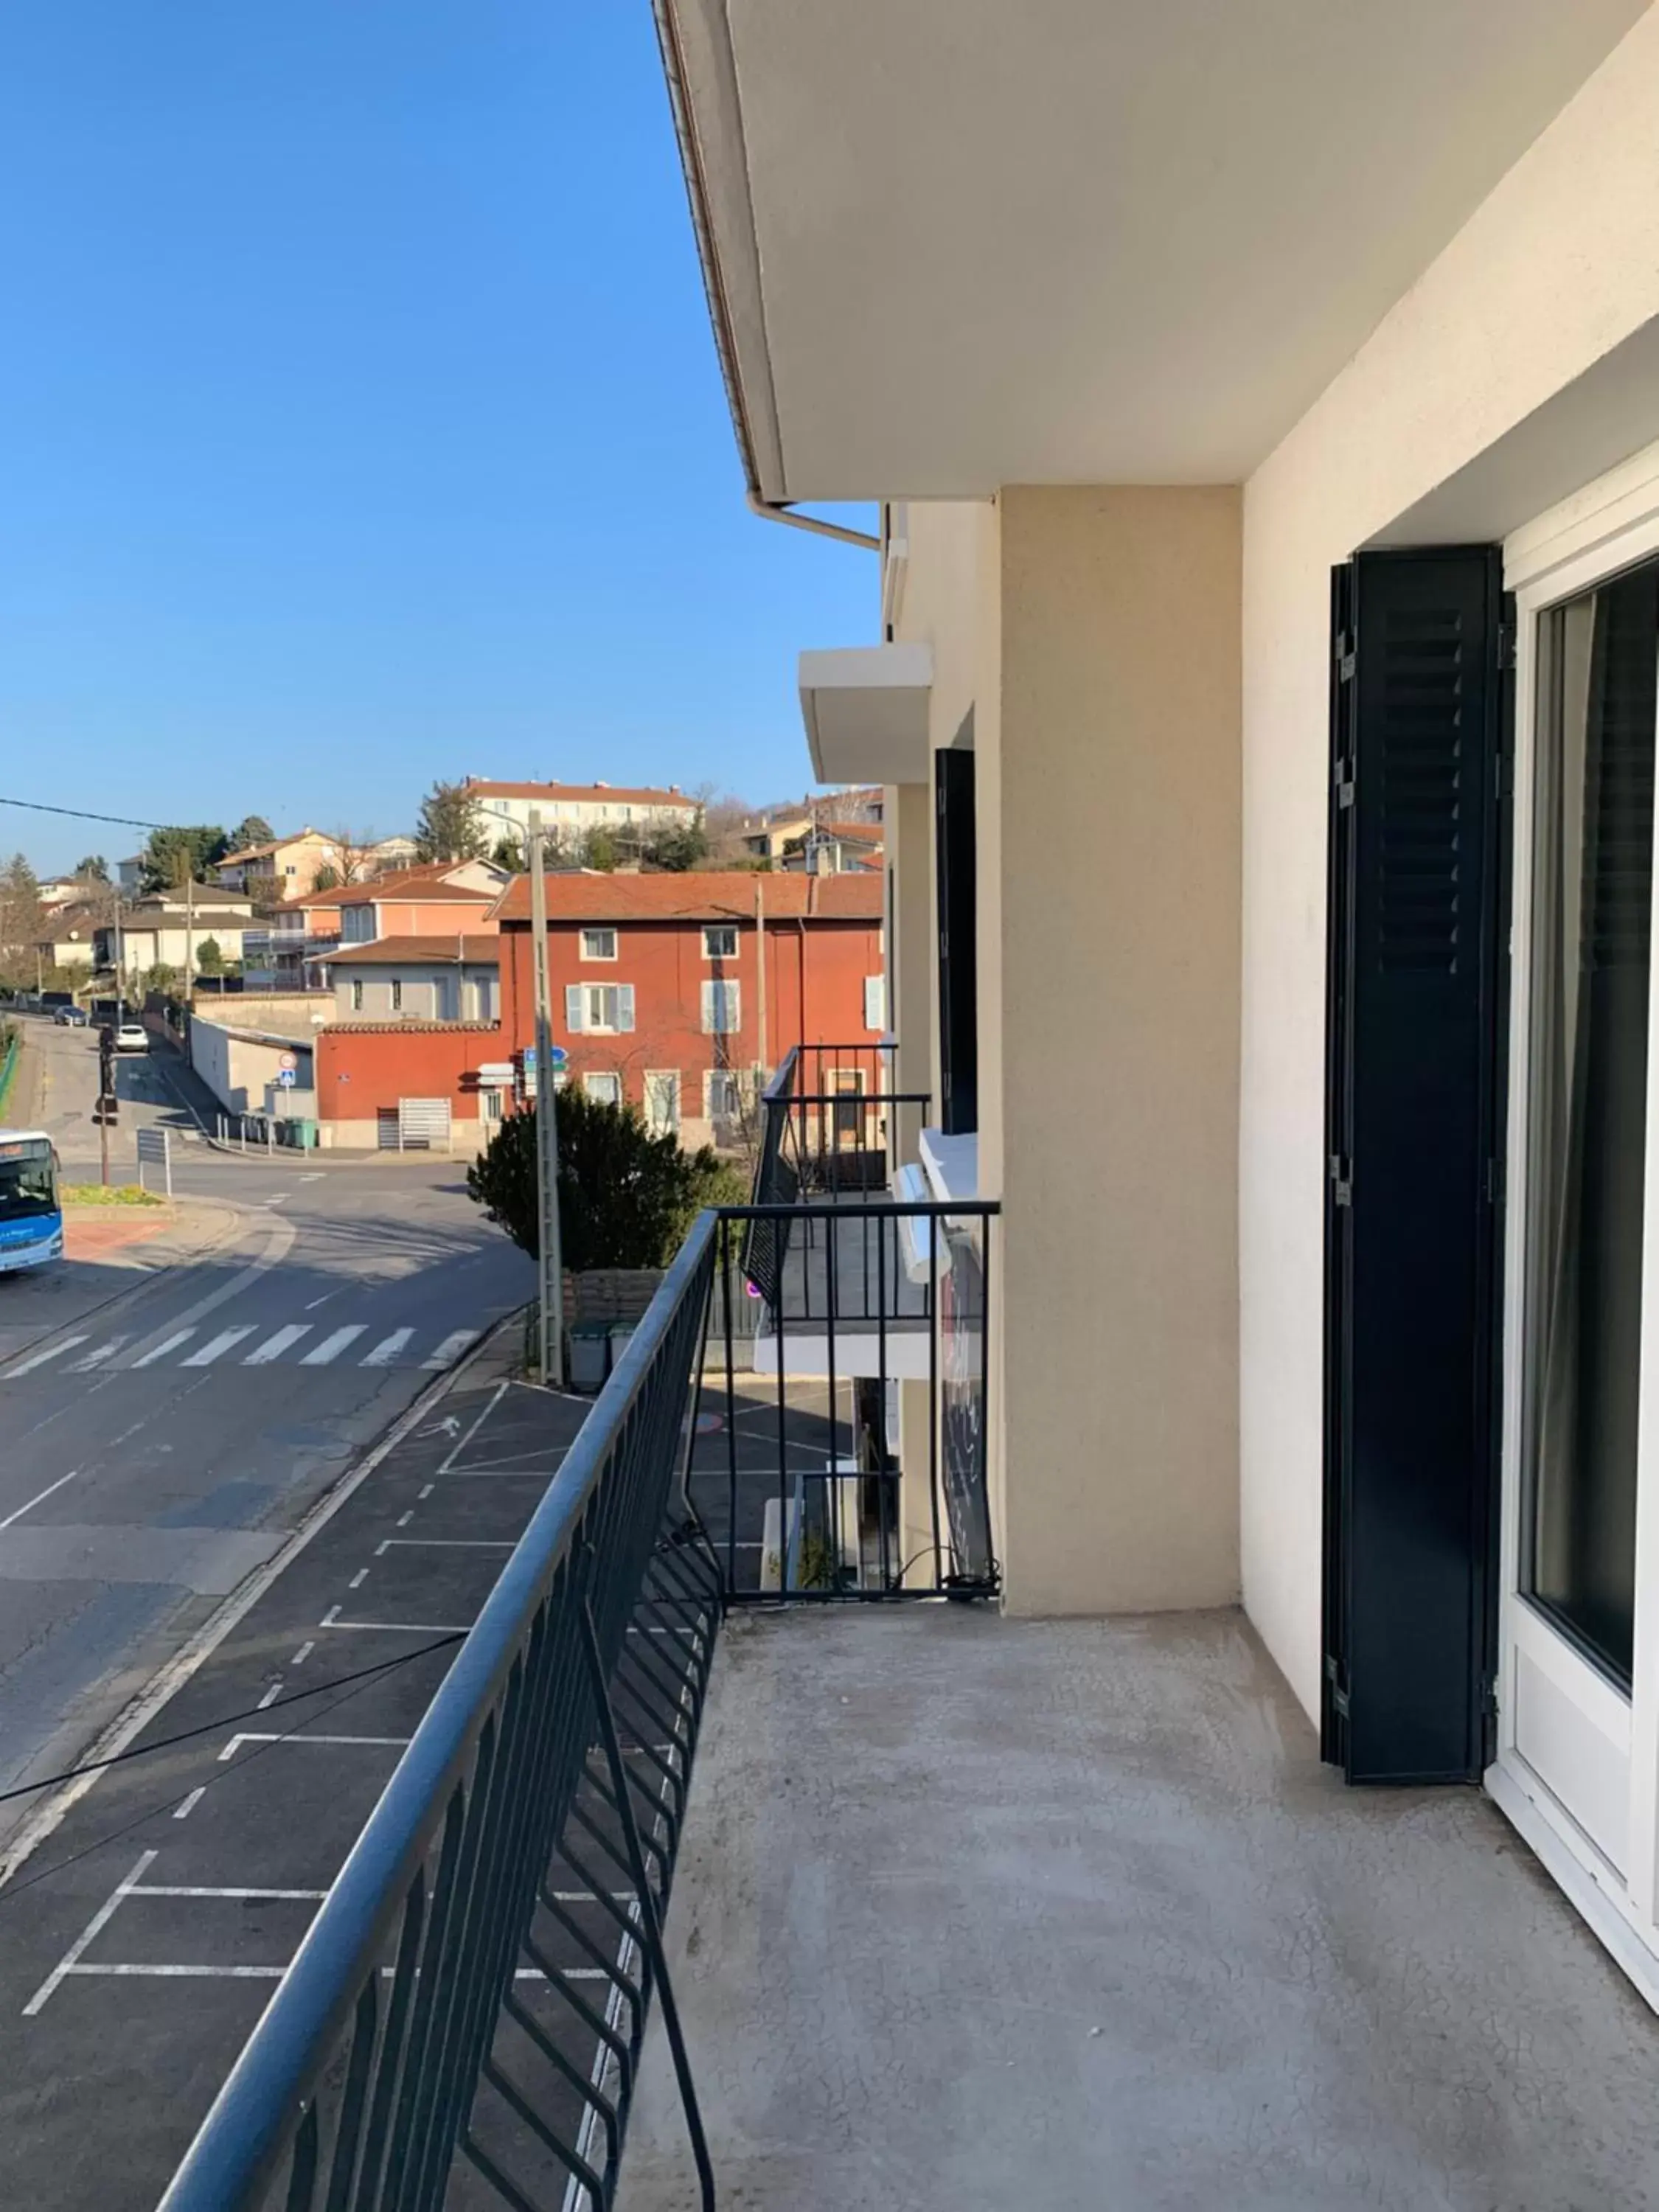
[1333,1676]
[1344,792]
[1341,1180]
[1506,645]
[1344,656]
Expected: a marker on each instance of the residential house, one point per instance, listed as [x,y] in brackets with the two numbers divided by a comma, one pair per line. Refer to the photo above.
[768,837]
[67,936]
[160,930]
[395,851]
[299,933]
[675,991]
[286,868]
[571,810]
[1267,427]
[435,978]
[446,896]
[833,848]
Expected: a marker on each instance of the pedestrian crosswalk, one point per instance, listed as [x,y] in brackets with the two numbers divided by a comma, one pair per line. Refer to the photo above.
[247,1344]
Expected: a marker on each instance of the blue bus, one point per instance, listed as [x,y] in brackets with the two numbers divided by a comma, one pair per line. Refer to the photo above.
[31,1208]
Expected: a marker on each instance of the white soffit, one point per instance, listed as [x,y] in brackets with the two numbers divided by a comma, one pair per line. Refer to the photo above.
[866,711]
[958,243]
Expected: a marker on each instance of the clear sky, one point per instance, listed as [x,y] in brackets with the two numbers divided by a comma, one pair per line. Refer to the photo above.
[359,422]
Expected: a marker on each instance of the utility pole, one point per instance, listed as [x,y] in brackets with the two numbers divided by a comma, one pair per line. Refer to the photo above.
[189,932]
[760,972]
[550,1302]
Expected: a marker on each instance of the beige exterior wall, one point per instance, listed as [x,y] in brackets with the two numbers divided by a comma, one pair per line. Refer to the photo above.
[1094,633]
[910,939]
[1517,367]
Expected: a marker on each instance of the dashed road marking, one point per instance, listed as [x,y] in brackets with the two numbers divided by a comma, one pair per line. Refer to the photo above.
[39,1498]
[186,1806]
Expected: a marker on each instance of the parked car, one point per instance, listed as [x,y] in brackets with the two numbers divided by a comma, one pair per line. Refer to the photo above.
[132,1037]
[70,1017]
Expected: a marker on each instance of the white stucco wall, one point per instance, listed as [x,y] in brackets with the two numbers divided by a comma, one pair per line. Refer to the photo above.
[1560,267]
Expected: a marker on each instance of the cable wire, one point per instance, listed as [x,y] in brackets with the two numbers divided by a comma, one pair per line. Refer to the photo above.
[83,814]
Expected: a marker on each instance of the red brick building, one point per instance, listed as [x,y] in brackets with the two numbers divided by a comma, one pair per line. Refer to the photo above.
[675,992]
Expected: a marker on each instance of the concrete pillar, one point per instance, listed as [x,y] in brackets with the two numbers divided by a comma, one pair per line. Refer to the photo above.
[1108,774]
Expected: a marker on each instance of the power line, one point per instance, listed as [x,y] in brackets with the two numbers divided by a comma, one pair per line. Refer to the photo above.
[83,814]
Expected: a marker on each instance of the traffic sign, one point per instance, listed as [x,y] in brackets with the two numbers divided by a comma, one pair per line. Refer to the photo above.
[558,1054]
[285,1062]
[285,1076]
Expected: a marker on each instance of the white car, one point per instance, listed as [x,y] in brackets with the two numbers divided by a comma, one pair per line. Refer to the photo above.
[132,1037]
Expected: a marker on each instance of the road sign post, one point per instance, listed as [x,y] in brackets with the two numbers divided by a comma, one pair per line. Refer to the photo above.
[156,1151]
[550,1301]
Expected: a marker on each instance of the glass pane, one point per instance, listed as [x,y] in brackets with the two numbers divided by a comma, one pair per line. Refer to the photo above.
[1592,895]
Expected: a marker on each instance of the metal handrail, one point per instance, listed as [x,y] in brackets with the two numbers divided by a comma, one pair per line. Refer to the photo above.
[330,1995]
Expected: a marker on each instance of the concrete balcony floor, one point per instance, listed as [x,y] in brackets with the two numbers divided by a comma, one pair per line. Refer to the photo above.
[976,1912]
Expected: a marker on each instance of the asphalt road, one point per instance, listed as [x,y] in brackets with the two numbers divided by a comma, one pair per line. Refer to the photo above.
[159,1448]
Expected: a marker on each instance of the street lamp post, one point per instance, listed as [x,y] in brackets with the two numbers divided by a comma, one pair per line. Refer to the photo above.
[550,1304]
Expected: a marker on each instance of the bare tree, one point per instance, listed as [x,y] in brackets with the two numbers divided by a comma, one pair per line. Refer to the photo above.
[355,851]
[724,819]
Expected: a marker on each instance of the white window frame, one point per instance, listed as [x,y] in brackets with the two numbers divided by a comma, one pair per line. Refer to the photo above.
[722,993]
[730,1079]
[599,1076]
[878,1027]
[1609,525]
[721,929]
[620,996]
[664,1075]
[588,935]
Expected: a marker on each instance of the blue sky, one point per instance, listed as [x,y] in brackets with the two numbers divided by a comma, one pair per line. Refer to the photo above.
[359,422]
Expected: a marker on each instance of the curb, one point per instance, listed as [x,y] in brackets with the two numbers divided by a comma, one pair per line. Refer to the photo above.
[170,1677]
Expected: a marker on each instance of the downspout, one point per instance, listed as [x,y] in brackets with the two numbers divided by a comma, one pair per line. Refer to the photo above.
[696,193]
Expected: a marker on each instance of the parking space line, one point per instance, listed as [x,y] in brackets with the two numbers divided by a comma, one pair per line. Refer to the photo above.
[183,1973]
[39,1359]
[199,1889]
[441,1544]
[256,1735]
[420,1495]
[304,1652]
[472,1431]
[183,1810]
[358,1579]
[271,1696]
[100,1920]
[330,1619]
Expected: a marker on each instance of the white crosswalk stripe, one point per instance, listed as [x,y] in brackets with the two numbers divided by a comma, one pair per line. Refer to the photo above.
[387,1349]
[274,1346]
[452,1348]
[98,1356]
[159,1352]
[39,1359]
[218,1345]
[321,1355]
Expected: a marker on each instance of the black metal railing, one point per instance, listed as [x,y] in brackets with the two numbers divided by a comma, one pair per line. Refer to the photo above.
[817,1472]
[478,1981]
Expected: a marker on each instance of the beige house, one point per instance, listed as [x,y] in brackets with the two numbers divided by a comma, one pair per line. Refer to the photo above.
[572,809]
[1266,430]
[160,931]
[430,978]
[286,868]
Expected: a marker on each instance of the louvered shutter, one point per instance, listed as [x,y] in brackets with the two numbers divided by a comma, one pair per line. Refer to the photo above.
[1418,917]
[875,1002]
[624,1005]
[574,1002]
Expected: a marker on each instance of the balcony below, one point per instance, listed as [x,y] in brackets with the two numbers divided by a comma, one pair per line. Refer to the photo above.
[975,1913]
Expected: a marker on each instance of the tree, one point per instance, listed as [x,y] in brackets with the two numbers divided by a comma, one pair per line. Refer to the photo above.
[599,849]
[327,878]
[354,851]
[626,1197]
[252,829]
[209,960]
[93,869]
[451,826]
[177,856]
[509,855]
[675,850]
[21,921]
